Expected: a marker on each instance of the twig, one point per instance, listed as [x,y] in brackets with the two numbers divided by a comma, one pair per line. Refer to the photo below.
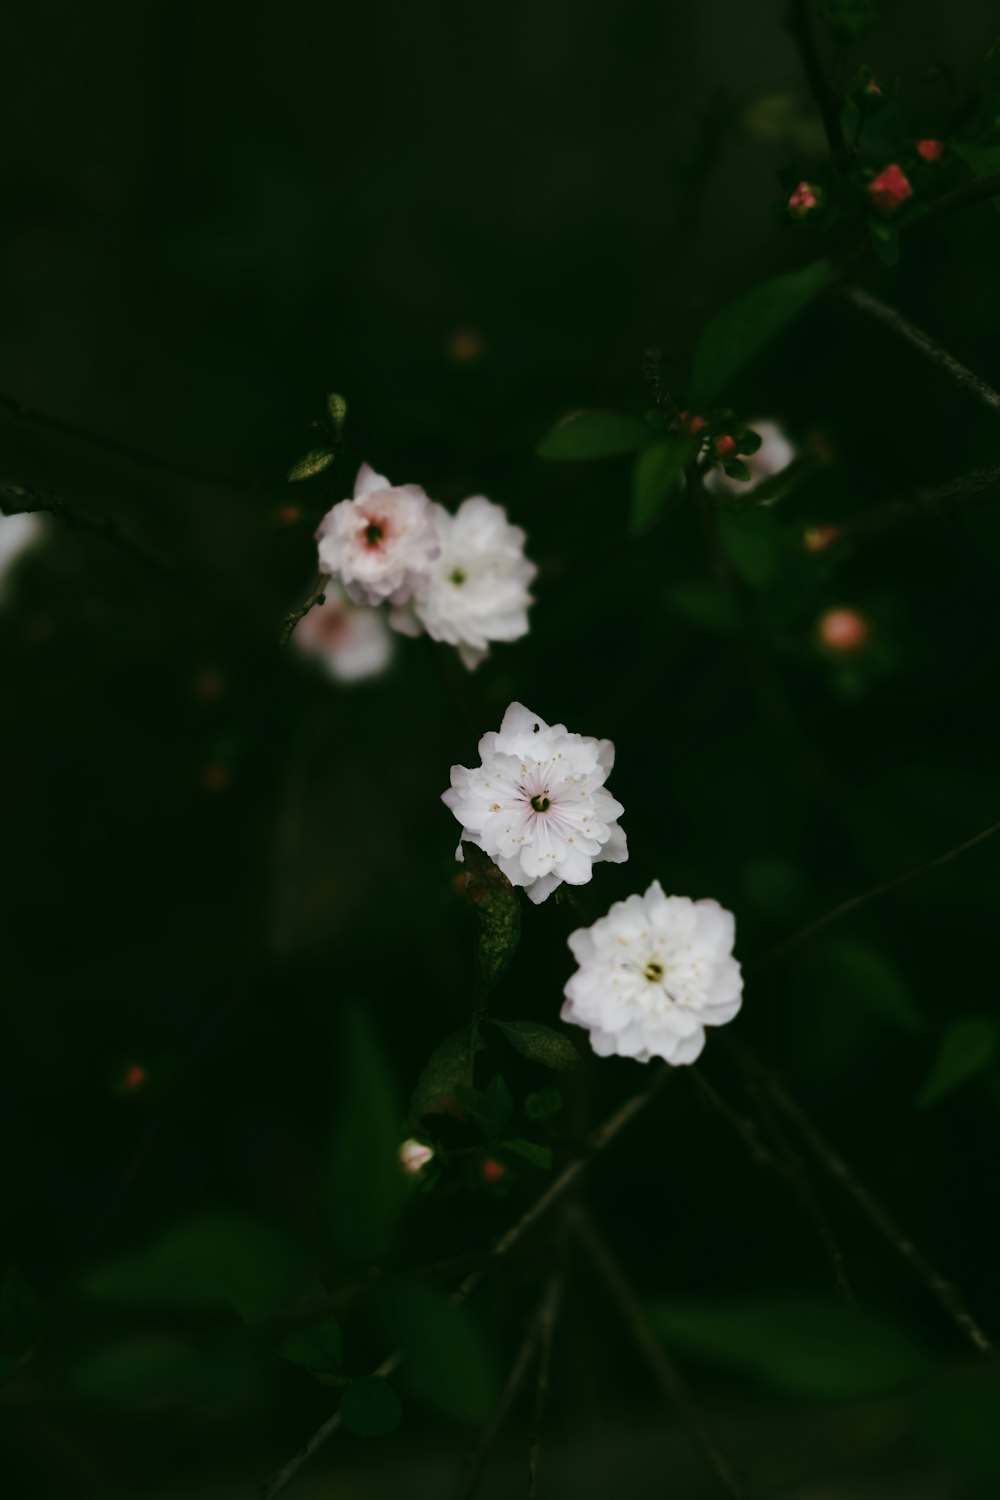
[835,913]
[667,1376]
[938,1285]
[518,1374]
[788,1167]
[22,499]
[596,1142]
[294,616]
[875,308]
[967,196]
[124,450]
[964,493]
[799,25]
[548,1317]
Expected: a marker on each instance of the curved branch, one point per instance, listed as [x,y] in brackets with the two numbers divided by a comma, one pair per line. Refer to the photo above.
[295,615]
[875,308]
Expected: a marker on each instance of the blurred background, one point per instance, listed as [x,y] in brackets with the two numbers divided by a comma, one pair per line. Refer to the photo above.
[469,222]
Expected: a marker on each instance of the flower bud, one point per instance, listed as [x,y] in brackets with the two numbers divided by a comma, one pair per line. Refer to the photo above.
[930,150]
[492,1171]
[805,200]
[843,630]
[890,189]
[726,446]
[818,538]
[414,1156]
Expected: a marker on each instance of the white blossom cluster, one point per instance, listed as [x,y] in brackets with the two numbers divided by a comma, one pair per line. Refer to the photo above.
[462,578]
[17,534]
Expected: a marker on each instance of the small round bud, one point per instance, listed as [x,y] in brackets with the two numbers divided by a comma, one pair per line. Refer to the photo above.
[289,515]
[818,538]
[889,190]
[134,1078]
[930,150]
[492,1171]
[805,200]
[726,446]
[843,630]
[414,1156]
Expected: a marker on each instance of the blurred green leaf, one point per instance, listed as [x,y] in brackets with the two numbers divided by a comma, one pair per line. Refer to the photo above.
[22,1314]
[967,1047]
[543,1104]
[704,605]
[801,1345]
[752,543]
[874,979]
[206,1264]
[657,472]
[531,1151]
[499,912]
[541,1044]
[367,1188]
[957,1420]
[448,1072]
[154,1369]
[884,240]
[745,326]
[738,470]
[491,1109]
[594,434]
[316,1346]
[370,1408]
[313,463]
[445,1360]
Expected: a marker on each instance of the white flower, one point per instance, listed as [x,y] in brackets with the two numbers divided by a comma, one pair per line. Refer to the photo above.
[414,1156]
[17,534]
[537,805]
[351,640]
[478,588]
[653,974]
[774,454]
[380,544]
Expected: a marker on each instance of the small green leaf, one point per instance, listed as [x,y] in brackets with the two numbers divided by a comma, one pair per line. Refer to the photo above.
[539,1156]
[446,1074]
[967,1047]
[741,329]
[738,470]
[884,240]
[657,473]
[749,441]
[446,1361]
[499,912]
[704,605]
[751,542]
[337,407]
[541,1044]
[370,1408]
[594,434]
[316,1346]
[543,1104]
[313,463]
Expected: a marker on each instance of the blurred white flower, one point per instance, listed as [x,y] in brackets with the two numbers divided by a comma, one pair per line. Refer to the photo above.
[351,640]
[17,534]
[478,587]
[537,805]
[414,1156]
[653,974]
[774,454]
[382,543]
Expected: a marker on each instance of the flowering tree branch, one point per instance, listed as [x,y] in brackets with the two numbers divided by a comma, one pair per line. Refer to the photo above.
[979,190]
[665,1372]
[515,1380]
[798,23]
[295,615]
[963,493]
[875,308]
[22,499]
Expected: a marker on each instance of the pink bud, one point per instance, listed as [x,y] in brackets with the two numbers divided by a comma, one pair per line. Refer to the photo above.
[493,1171]
[133,1078]
[804,200]
[725,446]
[818,538]
[696,424]
[890,189]
[930,150]
[843,629]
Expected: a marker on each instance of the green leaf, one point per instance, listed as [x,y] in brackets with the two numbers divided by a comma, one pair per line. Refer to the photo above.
[752,543]
[704,605]
[798,1344]
[316,1346]
[737,469]
[490,1109]
[367,1188]
[884,240]
[152,1369]
[448,1072]
[22,1314]
[657,473]
[313,463]
[446,1364]
[744,327]
[749,441]
[539,1156]
[541,1044]
[594,434]
[499,913]
[957,1419]
[337,407]
[874,979]
[209,1263]
[370,1408]
[967,1047]
[543,1104]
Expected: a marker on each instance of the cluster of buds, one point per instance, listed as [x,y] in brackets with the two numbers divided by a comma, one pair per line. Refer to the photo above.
[889,190]
[805,200]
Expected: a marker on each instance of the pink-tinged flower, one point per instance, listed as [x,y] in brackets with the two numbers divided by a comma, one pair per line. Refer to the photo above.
[805,199]
[819,538]
[890,189]
[843,630]
[774,454]
[652,975]
[382,543]
[414,1156]
[930,150]
[351,640]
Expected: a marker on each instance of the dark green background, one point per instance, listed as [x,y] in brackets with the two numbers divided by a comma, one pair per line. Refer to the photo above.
[212,215]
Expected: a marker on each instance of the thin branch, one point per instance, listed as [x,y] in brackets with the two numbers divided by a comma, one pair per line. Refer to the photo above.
[875,893]
[516,1378]
[963,493]
[938,1285]
[22,499]
[667,1376]
[879,310]
[967,196]
[799,25]
[788,1167]
[597,1142]
[294,616]
[548,1318]
[24,413]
